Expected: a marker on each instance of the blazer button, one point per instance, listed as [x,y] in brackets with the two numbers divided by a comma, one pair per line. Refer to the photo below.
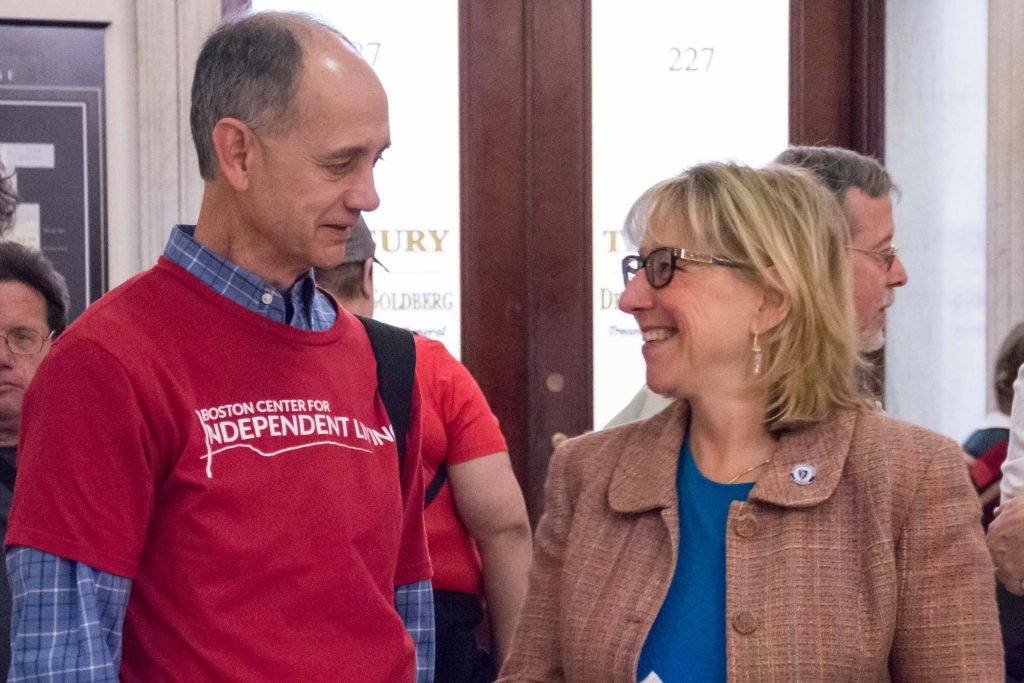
[745,527]
[745,623]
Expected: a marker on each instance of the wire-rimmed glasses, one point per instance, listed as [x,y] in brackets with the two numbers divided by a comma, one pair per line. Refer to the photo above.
[887,256]
[24,341]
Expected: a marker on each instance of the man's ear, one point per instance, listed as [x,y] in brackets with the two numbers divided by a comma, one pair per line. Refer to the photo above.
[368,279]
[234,144]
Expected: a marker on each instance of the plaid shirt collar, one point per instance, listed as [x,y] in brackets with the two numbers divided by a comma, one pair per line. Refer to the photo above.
[302,306]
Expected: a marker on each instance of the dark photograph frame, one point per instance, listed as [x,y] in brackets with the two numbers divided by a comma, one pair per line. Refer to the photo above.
[52,139]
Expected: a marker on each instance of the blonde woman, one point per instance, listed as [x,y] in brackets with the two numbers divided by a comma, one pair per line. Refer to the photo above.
[770,524]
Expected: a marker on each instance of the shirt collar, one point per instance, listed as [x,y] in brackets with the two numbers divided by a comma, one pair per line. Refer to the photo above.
[302,306]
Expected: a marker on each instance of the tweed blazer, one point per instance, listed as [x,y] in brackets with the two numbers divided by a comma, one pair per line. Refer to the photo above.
[876,570]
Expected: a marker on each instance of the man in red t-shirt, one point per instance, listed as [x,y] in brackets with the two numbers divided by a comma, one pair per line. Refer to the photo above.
[205,458]
[476,518]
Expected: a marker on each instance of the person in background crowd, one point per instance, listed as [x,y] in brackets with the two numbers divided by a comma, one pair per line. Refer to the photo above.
[8,202]
[205,460]
[771,524]
[864,190]
[33,311]
[1006,531]
[478,531]
[987,446]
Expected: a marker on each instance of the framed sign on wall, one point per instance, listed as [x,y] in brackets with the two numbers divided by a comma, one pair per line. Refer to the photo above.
[51,140]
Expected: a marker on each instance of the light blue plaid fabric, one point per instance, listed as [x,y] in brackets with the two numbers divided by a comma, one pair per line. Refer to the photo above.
[415,605]
[67,617]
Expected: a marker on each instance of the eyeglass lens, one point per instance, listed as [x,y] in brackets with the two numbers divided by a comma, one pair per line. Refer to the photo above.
[24,341]
[659,267]
[630,264]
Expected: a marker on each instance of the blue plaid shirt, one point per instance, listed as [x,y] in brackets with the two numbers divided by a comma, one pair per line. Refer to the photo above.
[67,617]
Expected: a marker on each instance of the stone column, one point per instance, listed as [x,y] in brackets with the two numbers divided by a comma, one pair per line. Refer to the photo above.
[170,34]
[1005,297]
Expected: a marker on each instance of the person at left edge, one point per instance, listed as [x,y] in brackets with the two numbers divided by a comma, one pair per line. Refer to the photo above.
[33,311]
[205,455]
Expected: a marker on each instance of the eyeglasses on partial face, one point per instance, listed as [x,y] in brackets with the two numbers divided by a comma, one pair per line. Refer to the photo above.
[24,341]
[885,256]
[661,264]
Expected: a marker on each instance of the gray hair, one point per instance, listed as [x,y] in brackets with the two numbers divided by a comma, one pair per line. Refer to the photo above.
[840,169]
[8,202]
[29,267]
[249,69]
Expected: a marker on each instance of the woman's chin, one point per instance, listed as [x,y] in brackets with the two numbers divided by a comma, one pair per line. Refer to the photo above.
[662,388]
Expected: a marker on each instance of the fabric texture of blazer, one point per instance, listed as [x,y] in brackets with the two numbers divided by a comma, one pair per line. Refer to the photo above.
[875,570]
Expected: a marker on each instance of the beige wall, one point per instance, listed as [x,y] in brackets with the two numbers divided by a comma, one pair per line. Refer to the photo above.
[1005,171]
[935,139]
[152,181]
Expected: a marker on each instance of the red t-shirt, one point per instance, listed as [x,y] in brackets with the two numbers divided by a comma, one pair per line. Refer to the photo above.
[458,426]
[242,472]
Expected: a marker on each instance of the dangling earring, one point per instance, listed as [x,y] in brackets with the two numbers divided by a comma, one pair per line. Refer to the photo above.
[758,356]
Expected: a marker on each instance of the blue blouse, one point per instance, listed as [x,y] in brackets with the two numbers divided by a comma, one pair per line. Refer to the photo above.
[687,640]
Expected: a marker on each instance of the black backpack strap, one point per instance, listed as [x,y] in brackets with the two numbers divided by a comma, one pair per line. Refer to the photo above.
[395,351]
[8,474]
[434,487]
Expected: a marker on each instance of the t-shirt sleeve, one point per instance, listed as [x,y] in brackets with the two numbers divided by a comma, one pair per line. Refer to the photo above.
[472,429]
[413,560]
[85,481]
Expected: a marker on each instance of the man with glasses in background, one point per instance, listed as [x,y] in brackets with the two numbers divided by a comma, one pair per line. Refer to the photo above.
[864,190]
[33,310]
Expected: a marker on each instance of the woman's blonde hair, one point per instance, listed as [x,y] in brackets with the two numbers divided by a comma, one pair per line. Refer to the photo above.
[787,232]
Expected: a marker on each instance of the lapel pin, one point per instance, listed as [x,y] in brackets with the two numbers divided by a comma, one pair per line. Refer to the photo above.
[803,474]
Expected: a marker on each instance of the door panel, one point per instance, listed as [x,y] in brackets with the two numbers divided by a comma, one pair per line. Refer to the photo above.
[526,221]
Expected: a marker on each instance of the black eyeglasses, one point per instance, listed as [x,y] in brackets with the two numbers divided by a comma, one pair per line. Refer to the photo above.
[886,256]
[25,341]
[661,264]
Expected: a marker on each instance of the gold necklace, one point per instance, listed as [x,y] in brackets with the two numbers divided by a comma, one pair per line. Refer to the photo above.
[748,471]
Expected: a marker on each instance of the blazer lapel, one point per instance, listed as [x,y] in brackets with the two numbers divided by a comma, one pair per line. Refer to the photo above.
[823,447]
[645,476]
